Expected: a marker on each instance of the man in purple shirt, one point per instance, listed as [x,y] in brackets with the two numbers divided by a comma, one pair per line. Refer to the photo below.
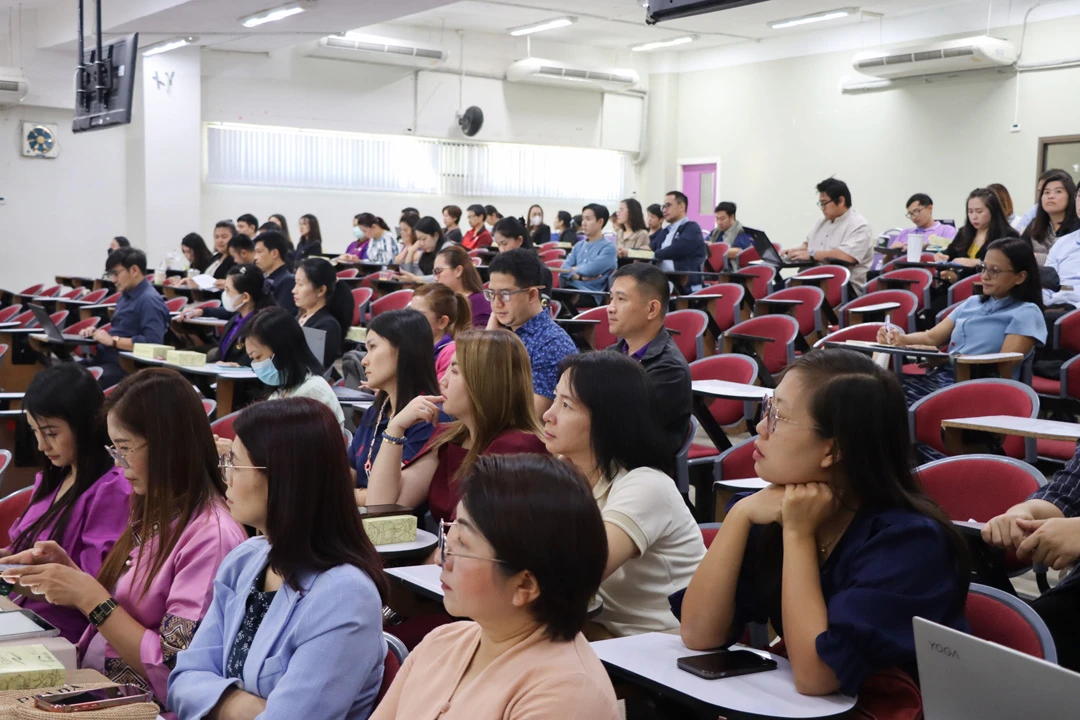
[920,210]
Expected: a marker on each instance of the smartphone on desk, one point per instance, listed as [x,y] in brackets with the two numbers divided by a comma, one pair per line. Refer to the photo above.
[97,699]
[726,663]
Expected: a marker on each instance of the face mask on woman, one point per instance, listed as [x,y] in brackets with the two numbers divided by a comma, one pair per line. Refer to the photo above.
[267,371]
[536,220]
[231,303]
[358,232]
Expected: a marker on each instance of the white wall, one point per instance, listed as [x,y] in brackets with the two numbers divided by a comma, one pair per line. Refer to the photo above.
[782,126]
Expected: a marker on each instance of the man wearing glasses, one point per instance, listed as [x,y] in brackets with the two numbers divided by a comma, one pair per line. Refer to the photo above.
[514,293]
[681,247]
[842,235]
[920,210]
[141,315]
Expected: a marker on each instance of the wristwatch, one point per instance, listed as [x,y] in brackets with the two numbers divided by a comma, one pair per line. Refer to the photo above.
[115,340]
[102,612]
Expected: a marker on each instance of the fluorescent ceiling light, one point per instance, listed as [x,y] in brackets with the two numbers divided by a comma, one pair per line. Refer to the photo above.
[814,18]
[542,26]
[167,45]
[274,14]
[664,43]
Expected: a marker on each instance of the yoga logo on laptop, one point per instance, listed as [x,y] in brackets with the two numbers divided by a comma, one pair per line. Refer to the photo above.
[944,650]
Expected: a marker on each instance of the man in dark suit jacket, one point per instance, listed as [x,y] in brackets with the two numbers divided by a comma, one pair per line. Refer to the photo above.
[682,246]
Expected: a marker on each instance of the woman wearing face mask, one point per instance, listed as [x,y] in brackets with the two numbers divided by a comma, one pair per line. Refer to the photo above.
[374,242]
[295,626]
[448,314]
[244,295]
[429,241]
[985,223]
[323,304]
[400,366]
[155,584]
[358,247]
[282,360]
[539,232]
[79,499]
[1056,216]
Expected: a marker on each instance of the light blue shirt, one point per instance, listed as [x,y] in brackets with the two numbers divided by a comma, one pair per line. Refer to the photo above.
[1020,223]
[594,259]
[671,230]
[318,653]
[981,327]
[1064,257]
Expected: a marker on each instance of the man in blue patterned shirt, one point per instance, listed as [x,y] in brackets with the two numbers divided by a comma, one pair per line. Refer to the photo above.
[517,278]
[1045,529]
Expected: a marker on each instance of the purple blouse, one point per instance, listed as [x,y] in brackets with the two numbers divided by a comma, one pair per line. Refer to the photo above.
[481,310]
[97,519]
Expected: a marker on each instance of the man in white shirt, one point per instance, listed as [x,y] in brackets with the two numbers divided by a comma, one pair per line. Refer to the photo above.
[1064,258]
[842,235]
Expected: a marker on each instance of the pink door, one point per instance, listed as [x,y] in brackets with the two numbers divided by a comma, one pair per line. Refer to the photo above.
[699,185]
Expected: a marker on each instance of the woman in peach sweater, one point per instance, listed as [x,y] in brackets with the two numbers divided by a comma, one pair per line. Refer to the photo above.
[523,656]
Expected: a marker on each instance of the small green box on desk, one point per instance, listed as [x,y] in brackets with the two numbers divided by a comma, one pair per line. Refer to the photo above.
[29,667]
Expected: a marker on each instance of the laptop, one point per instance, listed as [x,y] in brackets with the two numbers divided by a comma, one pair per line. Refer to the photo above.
[53,333]
[965,678]
[768,253]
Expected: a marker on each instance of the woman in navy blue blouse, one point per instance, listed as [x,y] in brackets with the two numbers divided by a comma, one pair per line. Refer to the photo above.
[843,549]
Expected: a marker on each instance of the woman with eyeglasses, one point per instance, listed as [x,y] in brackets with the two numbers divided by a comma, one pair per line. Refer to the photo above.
[448,314]
[454,268]
[489,390]
[155,585]
[80,498]
[1007,317]
[522,560]
[654,544]
[295,625]
[842,550]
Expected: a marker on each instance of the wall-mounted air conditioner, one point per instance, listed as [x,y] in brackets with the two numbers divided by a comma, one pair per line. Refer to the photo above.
[13,86]
[549,72]
[951,56]
[379,50]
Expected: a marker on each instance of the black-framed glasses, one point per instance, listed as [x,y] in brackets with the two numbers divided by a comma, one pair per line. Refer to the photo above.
[823,204]
[444,534]
[503,295]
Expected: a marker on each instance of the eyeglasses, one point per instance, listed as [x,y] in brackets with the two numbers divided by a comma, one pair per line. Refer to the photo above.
[771,412]
[917,211]
[120,458]
[992,272]
[668,205]
[437,271]
[824,204]
[444,534]
[225,462]
[503,295]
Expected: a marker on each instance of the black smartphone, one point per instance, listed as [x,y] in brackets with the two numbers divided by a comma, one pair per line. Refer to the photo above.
[726,663]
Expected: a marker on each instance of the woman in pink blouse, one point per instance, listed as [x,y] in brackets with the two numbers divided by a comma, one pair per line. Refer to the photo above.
[79,499]
[157,582]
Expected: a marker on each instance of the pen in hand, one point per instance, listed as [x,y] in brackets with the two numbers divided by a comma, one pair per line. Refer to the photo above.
[889,340]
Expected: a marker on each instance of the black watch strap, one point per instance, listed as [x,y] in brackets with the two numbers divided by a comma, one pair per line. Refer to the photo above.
[102,612]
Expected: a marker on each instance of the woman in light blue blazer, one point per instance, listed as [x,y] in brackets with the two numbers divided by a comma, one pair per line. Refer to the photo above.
[295,626]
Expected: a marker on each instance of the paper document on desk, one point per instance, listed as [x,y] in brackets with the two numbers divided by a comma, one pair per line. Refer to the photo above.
[204,282]
[991,357]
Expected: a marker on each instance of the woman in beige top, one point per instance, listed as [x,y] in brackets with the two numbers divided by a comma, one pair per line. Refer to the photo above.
[523,559]
[631,232]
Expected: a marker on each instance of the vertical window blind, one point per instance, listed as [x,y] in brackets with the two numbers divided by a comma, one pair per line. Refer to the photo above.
[321,160]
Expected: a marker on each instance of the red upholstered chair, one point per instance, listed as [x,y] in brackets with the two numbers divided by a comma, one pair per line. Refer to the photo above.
[920,287]
[209,406]
[555,307]
[745,257]
[15,504]
[963,289]
[926,257]
[395,657]
[553,254]
[554,244]
[690,336]
[82,325]
[95,297]
[33,290]
[58,318]
[51,292]
[731,368]
[838,288]
[717,256]
[361,297]
[176,304]
[398,300]
[223,426]
[111,300]
[347,273]
[725,309]
[8,313]
[96,372]
[602,337]
[737,463]
[903,316]
[25,319]
[808,314]
[975,398]
[1000,618]
[74,293]
[708,532]
[865,332]
[763,282]
[783,329]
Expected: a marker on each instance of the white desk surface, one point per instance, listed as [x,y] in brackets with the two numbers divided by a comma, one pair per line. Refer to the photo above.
[741,485]
[729,390]
[62,649]
[652,657]
[875,308]
[424,541]
[208,321]
[231,373]
[1025,427]
[9,324]
[812,276]
[421,577]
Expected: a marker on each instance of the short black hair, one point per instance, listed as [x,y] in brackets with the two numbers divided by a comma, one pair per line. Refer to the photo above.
[269,227]
[249,219]
[922,198]
[477,210]
[599,211]
[122,241]
[680,197]
[410,211]
[492,210]
[242,243]
[510,227]
[523,265]
[227,224]
[277,329]
[655,210]
[453,211]
[727,207]
[127,258]
[565,547]
[835,189]
[274,241]
[650,279]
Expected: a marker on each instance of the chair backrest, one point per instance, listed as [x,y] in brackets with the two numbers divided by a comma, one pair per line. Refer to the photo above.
[602,337]
[553,254]
[836,289]
[809,313]
[5,455]
[74,293]
[737,463]
[96,372]
[726,309]
[9,312]
[209,406]
[974,398]
[978,487]
[59,318]
[25,319]
[398,300]
[361,297]
[51,292]
[903,316]
[947,312]
[33,290]
[690,338]
[96,296]
[745,257]
[554,307]
[82,325]
[926,257]
[551,245]
[1067,332]
[866,332]
[708,532]
[176,304]
[223,426]
[1000,618]
[962,289]
[763,282]
[347,273]
[717,256]
[112,299]
[391,666]
[920,287]
[555,266]
[783,329]
[732,368]
[15,504]
[3,350]
[682,459]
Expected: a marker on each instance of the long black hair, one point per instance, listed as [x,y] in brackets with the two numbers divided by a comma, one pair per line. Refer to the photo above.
[339,300]
[612,387]
[999,226]
[635,216]
[203,258]
[313,233]
[275,328]
[1022,258]
[366,219]
[511,227]
[70,393]
[410,333]
[1041,224]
